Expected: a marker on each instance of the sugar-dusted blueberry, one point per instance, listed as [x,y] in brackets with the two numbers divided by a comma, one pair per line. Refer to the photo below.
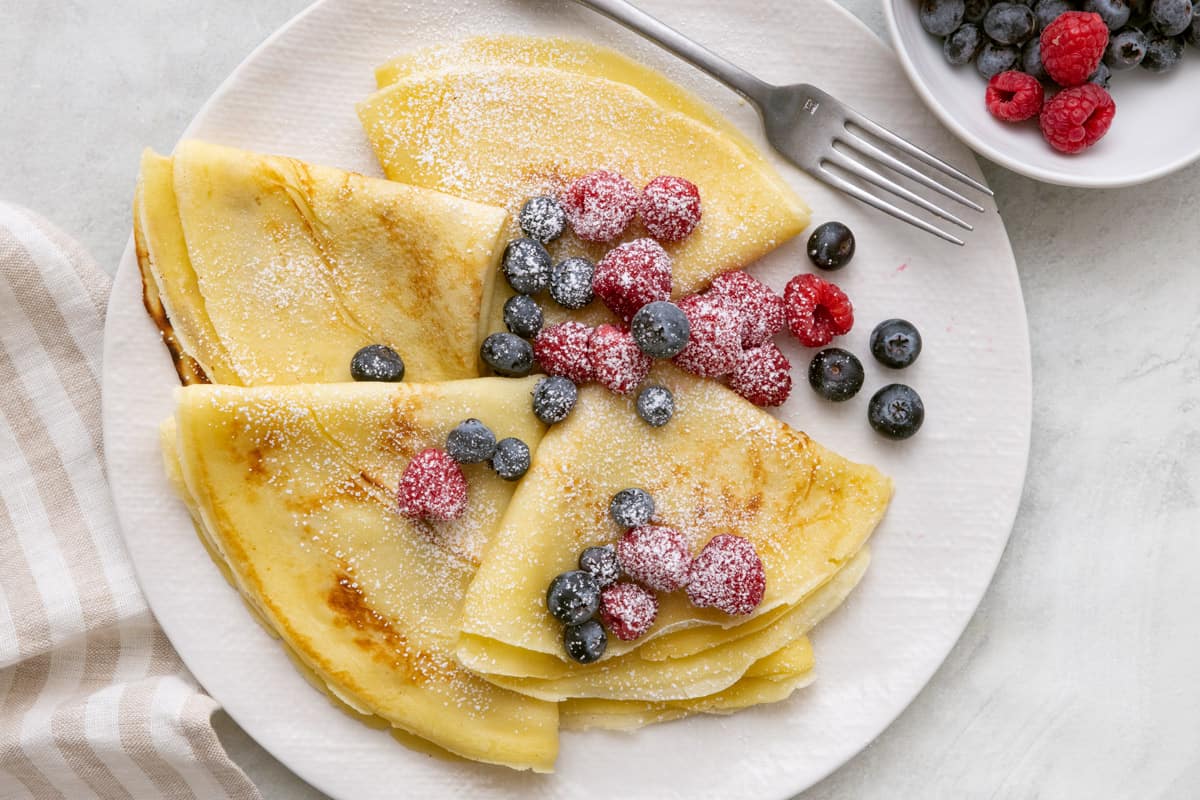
[896,411]
[1010,23]
[831,245]
[542,218]
[1126,49]
[507,354]
[553,399]
[835,374]
[1163,54]
[526,266]
[630,508]
[522,316]
[660,329]
[471,442]
[996,58]
[960,47]
[601,563]
[573,597]
[511,459]
[895,343]
[941,17]
[585,642]
[571,282]
[377,362]
[656,405]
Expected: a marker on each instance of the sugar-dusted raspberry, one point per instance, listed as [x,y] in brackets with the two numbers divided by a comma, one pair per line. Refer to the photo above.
[600,205]
[1014,96]
[729,575]
[670,208]
[817,310]
[632,275]
[761,309]
[562,349]
[628,610]
[1075,119]
[616,360]
[763,376]
[1072,46]
[716,335]
[433,487]
[656,557]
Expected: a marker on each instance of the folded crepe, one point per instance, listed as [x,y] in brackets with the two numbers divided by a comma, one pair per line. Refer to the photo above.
[267,270]
[721,466]
[293,488]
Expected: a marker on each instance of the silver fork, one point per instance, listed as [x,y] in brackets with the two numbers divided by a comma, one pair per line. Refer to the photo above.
[816,132]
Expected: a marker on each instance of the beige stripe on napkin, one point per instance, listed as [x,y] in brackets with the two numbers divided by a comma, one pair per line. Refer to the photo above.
[93,700]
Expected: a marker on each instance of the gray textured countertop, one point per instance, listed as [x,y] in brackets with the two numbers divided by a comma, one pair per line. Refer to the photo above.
[1077,676]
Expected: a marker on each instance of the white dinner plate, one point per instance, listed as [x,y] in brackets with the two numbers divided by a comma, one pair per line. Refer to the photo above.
[958,482]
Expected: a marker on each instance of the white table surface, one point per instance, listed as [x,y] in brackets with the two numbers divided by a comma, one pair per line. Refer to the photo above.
[1078,676]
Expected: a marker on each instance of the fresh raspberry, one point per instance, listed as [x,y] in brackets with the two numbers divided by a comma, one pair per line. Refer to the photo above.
[670,208]
[1075,119]
[1014,96]
[761,309]
[632,275]
[433,487]
[627,610]
[600,205]
[729,575]
[763,376]
[817,310]
[655,556]
[617,362]
[716,335]
[562,349]
[1072,46]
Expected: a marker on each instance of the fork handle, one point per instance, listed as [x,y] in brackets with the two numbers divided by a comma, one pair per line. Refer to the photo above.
[638,21]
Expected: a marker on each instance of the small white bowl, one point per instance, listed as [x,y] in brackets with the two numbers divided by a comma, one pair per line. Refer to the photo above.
[1156,130]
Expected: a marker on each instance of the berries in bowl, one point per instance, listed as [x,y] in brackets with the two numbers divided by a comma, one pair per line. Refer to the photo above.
[1128,129]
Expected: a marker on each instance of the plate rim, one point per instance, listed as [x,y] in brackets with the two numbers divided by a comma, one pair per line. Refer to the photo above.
[128,261]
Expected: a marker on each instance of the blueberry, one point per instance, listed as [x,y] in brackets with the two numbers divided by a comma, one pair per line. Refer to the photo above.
[994,59]
[630,508]
[511,459]
[896,411]
[1031,60]
[1101,76]
[377,362]
[471,442]
[835,374]
[1163,53]
[660,329]
[895,343]
[976,10]
[573,597]
[1126,49]
[585,642]
[831,245]
[962,45]
[941,17]
[1115,13]
[1171,17]
[571,282]
[523,316]
[601,563]
[542,219]
[553,399]
[507,354]
[1046,11]
[1010,23]
[526,266]
[1192,34]
[656,405]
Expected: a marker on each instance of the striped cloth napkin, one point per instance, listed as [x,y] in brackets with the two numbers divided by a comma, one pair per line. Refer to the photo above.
[93,700]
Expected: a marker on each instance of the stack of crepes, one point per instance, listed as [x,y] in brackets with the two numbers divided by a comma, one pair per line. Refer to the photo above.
[266,275]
